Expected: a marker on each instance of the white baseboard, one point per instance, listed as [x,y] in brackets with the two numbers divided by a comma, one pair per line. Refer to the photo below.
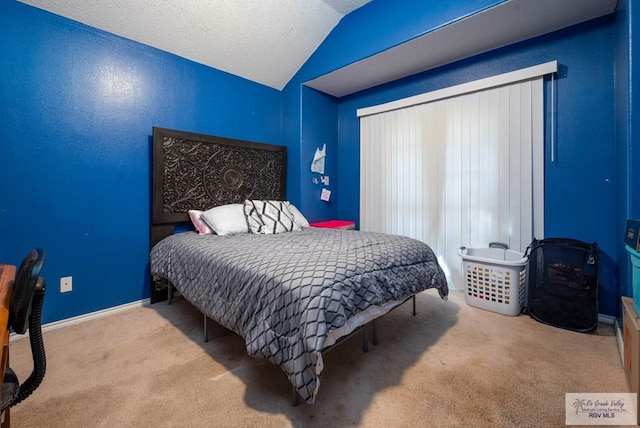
[86,317]
[618,329]
[606,319]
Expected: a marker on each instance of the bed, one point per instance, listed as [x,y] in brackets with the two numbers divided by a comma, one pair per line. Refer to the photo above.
[291,295]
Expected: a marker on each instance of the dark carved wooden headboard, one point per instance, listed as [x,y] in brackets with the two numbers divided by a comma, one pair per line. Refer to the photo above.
[196,171]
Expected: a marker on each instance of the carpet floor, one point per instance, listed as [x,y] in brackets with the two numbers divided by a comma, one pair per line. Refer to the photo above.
[451,365]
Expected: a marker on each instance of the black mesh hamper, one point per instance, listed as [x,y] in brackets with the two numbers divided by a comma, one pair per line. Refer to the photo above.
[562,283]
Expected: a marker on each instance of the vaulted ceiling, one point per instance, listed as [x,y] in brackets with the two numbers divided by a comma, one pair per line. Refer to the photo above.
[265,41]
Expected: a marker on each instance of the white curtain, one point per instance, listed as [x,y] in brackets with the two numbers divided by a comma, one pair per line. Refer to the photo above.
[465,170]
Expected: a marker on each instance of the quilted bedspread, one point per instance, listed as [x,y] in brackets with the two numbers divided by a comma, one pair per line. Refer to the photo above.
[282,293]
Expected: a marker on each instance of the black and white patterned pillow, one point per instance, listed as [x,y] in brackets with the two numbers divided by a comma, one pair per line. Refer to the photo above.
[254,222]
[269,217]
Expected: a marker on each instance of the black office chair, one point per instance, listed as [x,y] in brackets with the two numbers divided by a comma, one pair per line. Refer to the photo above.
[26,306]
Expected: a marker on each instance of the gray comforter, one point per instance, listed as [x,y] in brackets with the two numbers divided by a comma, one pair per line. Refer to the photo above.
[282,293]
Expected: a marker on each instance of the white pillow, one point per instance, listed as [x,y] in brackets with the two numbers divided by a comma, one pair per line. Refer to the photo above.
[269,217]
[202,227]
[226,219]
[297,215]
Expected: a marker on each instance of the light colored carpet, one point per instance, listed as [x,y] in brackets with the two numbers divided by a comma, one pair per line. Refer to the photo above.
[452,365]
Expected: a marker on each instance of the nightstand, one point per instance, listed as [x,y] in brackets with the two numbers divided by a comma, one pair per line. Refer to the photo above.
[334,224]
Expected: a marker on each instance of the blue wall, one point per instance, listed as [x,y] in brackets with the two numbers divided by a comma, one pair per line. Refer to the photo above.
[624,127]
[627,135]
[77,110]
[78,106]
[383,24]
[377,26]
[580,187]
[319,113]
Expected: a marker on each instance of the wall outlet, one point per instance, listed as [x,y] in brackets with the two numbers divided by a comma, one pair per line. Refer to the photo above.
[65,284]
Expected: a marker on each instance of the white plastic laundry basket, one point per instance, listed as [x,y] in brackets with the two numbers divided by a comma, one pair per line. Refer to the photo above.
[495,278]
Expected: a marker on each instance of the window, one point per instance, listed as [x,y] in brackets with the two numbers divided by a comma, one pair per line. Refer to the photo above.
[463,168]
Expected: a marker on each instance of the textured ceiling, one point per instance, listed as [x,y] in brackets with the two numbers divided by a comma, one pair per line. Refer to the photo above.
[265,41]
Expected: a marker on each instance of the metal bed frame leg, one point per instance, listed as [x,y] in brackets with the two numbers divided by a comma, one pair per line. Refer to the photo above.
[206,336]
[169,294]
[295,398]
[375,333]
[375,325]
[375,328]
[365,340]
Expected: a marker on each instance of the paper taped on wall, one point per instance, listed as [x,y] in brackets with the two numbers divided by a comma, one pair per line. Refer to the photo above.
[317,165]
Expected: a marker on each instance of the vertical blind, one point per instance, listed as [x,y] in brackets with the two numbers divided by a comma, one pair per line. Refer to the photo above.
[465,170]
